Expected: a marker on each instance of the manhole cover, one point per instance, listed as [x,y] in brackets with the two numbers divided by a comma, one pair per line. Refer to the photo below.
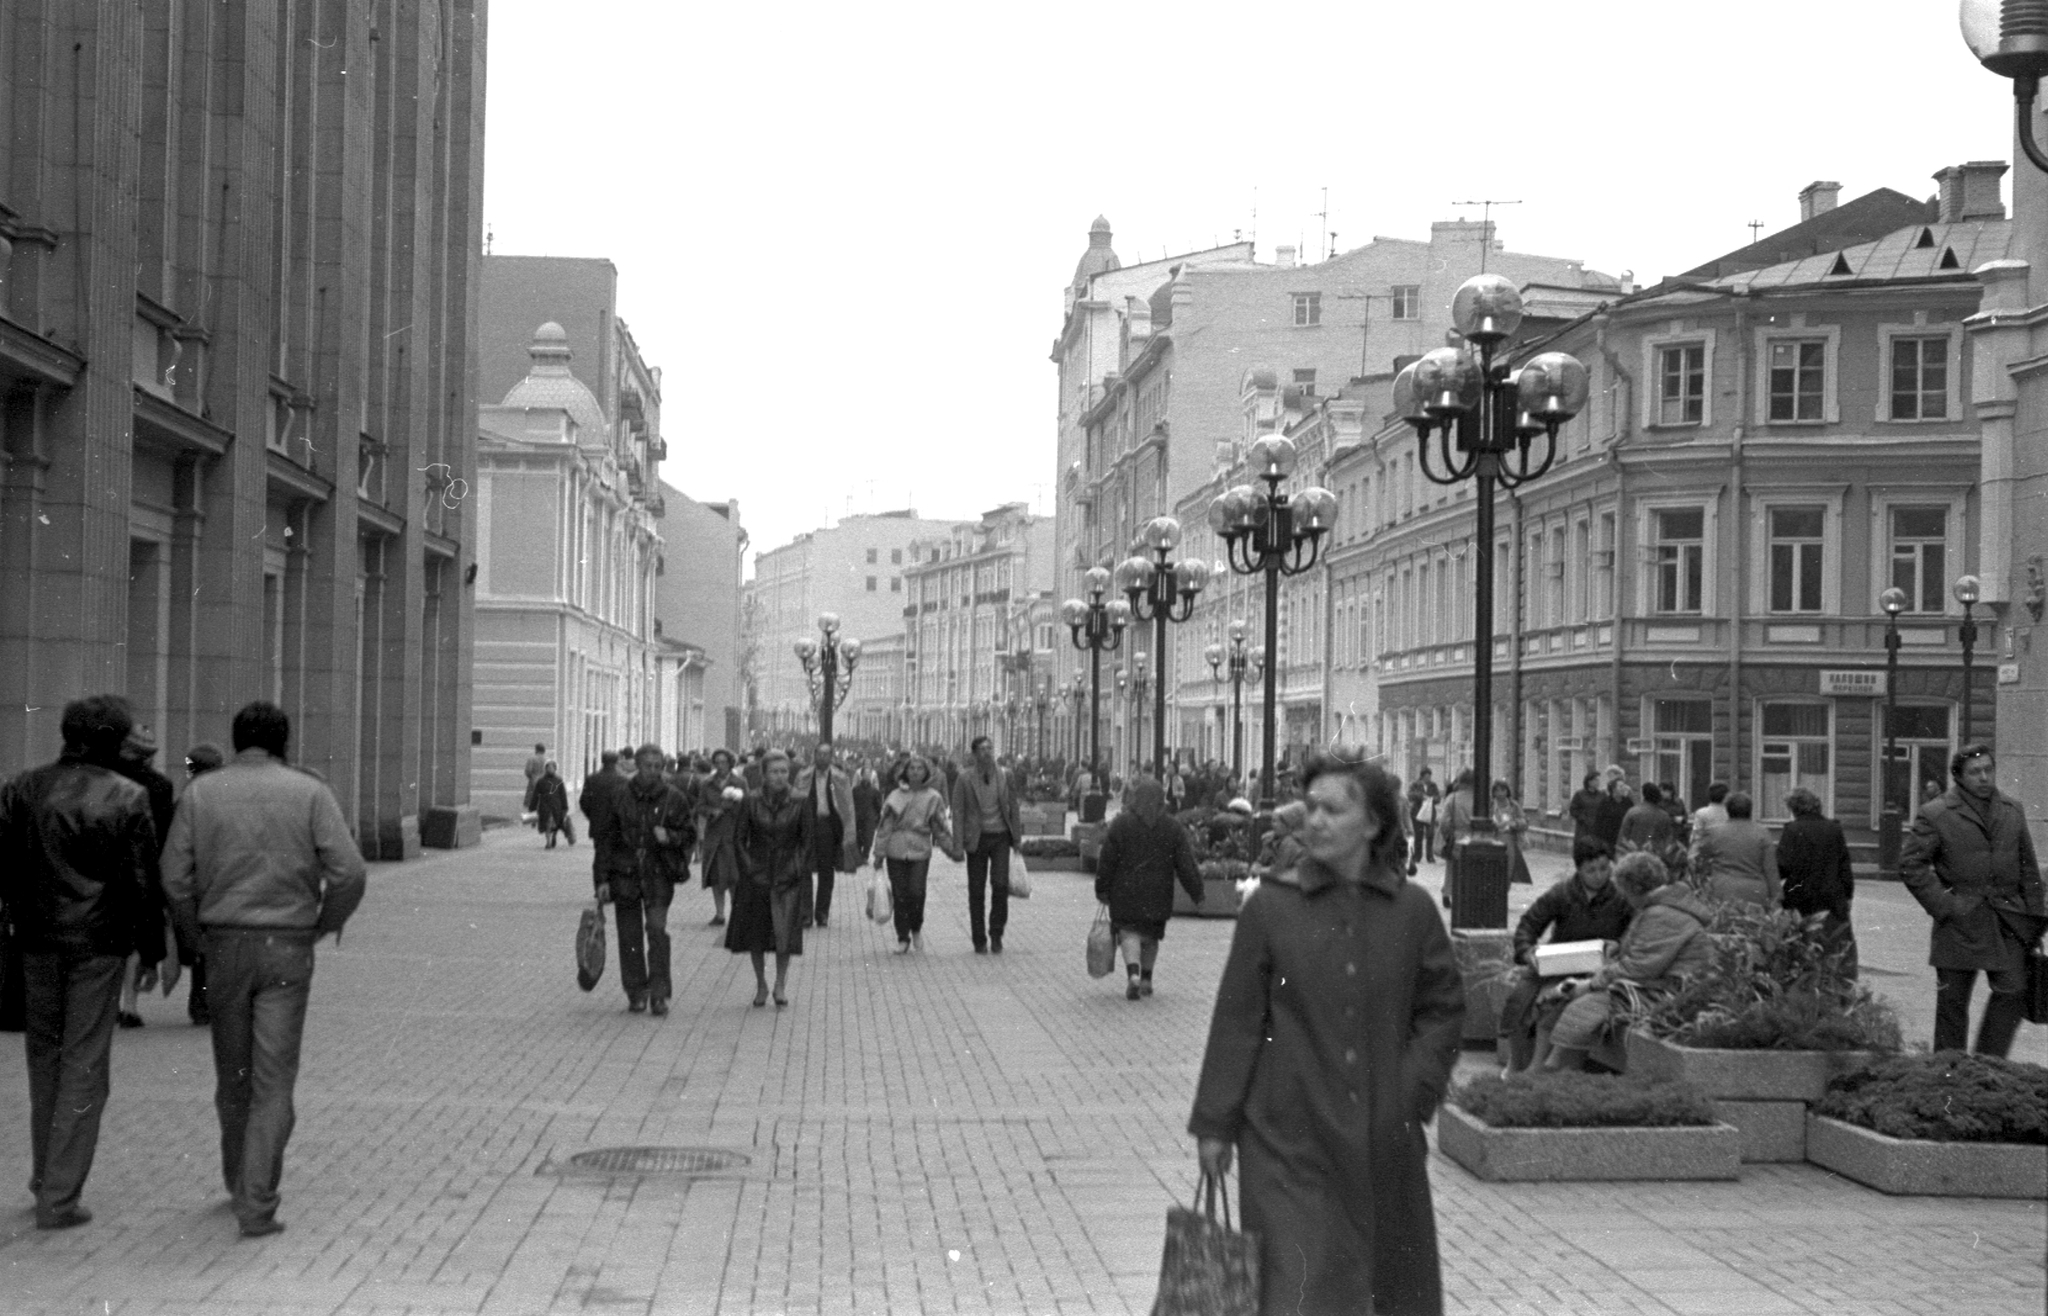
[659,1160]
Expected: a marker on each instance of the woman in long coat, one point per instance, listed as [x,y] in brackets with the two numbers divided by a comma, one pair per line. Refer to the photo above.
[1336,1026]
[550,804]
[1146,849]
[718,821]
[774,839]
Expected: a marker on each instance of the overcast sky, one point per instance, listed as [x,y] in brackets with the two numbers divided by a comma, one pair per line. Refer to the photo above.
[842,230]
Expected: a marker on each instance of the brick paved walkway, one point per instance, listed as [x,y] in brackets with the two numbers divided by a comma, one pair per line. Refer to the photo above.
[927,1134]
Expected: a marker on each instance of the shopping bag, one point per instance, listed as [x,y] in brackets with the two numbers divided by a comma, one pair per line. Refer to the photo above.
[1208,1267]
[2037,987]
[881,900]
[1020,877]
[1101,945]
[590,946]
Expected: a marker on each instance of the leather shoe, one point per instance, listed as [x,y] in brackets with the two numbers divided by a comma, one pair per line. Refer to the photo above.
[996,944]
[658,1006]
[262,1228]
[71,1219]
[636,1005]
[980,948]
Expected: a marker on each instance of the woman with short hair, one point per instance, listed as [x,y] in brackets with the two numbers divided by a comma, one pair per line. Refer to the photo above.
[914,822]
[774,840]
[1336,1025]
[718,798]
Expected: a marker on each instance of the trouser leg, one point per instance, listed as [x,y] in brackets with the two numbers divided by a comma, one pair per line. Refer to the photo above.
[230,998]
[195,1000]
[632,943]
[998,848]
[2004,1012]
[70,1009]
[1952,1008]
[277,1025]
[654,915]
[977,896]
[827,876]
[1517,1040]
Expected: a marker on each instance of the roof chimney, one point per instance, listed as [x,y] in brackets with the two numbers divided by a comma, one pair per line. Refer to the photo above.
[1970,191]
[1817,198]
[1283,256]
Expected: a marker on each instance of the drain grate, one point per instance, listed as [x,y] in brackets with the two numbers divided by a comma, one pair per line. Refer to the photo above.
[659,1160]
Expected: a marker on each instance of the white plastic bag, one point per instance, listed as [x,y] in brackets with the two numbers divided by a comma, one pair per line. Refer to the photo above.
[881,901]
[1020,877]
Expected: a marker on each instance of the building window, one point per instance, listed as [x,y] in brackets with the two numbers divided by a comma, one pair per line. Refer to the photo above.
[1679,552]
[1796,558]
[1682,746]
[895,584]
[1305,380]
[1793,750]
[871,584]
[1308,309]
[895,557]
[871,557]
[1407,301]
[1682,384]
[1920,378]
[1920,556]
[1798,379]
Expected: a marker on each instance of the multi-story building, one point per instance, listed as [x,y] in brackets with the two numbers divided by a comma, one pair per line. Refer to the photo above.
[876,708]
[567,496]
[697,605]
[855,570]
[1692,591]
[978,628]
[1171,406]
[238,291]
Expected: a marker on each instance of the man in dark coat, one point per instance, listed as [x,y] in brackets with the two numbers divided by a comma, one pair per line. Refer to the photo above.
[136,752]
[1336,1025]
[79,877]
[599,798]
[1814,870]
[1582,907]
[648,833]
[1970,864]
[1585,809]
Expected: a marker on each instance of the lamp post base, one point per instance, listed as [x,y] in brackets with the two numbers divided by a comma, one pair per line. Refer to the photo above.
[1478,885]
[1890,825]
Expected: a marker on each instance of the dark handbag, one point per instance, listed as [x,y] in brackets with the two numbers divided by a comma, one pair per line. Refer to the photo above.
[590,946]
[1209,1268]
[13,983]
[2037,987]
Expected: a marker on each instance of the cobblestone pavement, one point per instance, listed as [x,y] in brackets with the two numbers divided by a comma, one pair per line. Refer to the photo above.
[933,1133]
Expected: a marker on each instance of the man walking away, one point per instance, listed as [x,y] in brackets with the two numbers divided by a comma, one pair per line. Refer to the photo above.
[649,832]
[599,798]
[259,867]
[828,792]
[136,752]
[986,815]
[536,763]
[78,875]
[1970,864]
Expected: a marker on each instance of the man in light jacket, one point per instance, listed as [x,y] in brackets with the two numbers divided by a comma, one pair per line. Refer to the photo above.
[988,822]
[260,865]
[1970,864]
[835,845]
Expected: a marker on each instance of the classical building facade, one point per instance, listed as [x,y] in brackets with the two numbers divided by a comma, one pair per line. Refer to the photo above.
[569,553]
[238,291]
[854,569]
[978,626]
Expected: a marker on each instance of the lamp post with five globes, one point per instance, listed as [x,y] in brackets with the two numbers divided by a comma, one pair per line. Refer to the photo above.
[1160,591]
[1239,660]
[828,669]
[1098,627]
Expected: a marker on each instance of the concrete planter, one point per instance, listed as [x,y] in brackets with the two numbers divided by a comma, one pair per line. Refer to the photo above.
[1933,1169]
[1219,900]
[1764,1094]
[1063,864]
[1043,819]
[1564,1155]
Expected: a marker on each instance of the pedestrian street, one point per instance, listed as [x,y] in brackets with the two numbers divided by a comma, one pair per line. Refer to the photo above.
[942,1132]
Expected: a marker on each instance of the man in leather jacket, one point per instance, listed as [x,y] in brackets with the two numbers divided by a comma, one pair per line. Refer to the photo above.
[647,840]
[78,873]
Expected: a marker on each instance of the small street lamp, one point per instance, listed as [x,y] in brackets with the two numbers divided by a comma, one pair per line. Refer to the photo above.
[1240,660]
[1097,627]
[1077,695]
[1042,702]
[1968,590]
[1487,416]
[2010,37]
[1270,534]
[828,669]
[1893,601]
[1133,681]
[1160,591]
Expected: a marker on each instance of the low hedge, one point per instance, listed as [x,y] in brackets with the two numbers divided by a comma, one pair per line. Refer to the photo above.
[1047,847]
[1582,1101]
[1944,1096]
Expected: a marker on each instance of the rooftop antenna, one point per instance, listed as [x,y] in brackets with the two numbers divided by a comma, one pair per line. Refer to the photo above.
[1255,217]
[487,239]
[1754,225]
[1324,216]
[1486,206]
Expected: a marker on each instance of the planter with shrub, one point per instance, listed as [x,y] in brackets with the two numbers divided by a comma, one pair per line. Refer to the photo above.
[1552,1127]
[1945,1124]
[1050,854]
[1763,1028]
[1219,889]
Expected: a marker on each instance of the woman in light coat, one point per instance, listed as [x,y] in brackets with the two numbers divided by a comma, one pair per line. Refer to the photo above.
[1738,860]
[718,799]
[914,822]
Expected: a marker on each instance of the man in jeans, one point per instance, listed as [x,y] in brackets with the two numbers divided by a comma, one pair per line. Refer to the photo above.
[260,865]
[985,812]
[1970,863]
[78,875]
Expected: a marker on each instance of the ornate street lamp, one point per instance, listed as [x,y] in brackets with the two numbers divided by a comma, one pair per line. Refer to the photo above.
[1042,702]
[1133,681]
[828,669]
[1270,534]
[1968,590]
[1160,591]
[1098,627]
[2010,37]
[1077,695]
[1487,416]
[1240,660]
[1893,601]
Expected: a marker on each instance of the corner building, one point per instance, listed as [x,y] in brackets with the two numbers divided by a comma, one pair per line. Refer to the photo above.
[238,257]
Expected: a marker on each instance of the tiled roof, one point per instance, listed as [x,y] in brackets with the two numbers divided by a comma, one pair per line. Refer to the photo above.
[1922,251]
[1865,219]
